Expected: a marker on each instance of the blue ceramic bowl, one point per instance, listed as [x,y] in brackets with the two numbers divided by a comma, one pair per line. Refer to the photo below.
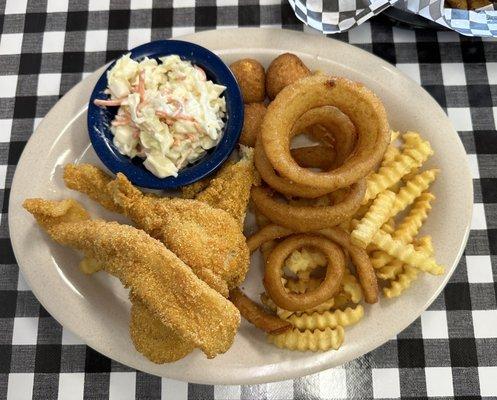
[99,119]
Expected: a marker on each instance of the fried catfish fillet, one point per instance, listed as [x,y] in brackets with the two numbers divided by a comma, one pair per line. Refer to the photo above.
[207,239]
[156,277]
[229,190]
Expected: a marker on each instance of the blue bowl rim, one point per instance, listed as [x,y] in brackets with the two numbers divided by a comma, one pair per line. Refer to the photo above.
[217,71]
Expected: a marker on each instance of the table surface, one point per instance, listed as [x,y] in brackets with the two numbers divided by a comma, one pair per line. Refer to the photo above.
[47,46]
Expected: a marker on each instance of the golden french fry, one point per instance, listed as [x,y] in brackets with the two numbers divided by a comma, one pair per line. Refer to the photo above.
[305,260]
[379,258]
[424,243]
[410,158]
[327,319]
[375,218]
[390,271]
[301,286]
[352,287]
[411,224]
[401,282]
[407,253]
[309,340]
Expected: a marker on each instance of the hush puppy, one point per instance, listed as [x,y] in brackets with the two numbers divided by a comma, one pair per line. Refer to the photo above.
[250,76]
[284,70]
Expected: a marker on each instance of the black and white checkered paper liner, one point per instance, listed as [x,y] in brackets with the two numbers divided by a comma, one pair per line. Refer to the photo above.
[334,16]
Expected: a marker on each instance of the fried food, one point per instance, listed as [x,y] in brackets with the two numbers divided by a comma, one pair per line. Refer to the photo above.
[377,215]
[230,189]
[360,259]
[308,218]
[328,288]
[279,183]
[266,234]
[253,116]
[283,71]
[343,136]
[92,181]
[407,253]
[163,283]
[249,74]
[364,109]
[191,190]
[153,339]
[208,239]
[341,131]
[410,158]
[327,319]
[319,156]
[256,315]
[315,340]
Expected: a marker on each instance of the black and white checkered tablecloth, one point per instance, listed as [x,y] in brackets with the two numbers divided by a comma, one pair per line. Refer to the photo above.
[47,46]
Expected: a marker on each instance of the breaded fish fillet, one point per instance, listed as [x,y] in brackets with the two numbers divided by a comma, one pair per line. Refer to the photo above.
[191,190]
[230,189]
[153,339]
[171,292]
[207,239]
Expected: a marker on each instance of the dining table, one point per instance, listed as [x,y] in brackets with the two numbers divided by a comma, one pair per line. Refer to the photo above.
[450,352]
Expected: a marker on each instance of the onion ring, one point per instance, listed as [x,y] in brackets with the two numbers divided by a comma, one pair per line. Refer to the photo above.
[329,286]
[308,218]
[320,134]
[256,315]
[343,134]
[278,183]
[320,156]
[336,123]
[360,258]
[266,234]
[364,109]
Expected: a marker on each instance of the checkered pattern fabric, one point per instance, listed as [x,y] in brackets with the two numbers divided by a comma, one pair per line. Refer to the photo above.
[47,46]
[342,15]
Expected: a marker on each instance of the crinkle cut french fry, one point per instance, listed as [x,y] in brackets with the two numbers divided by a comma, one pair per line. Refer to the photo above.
[301,286]
[409,274]
[388,175]
[392,150]
[390,154]
[390,271]
[411,224]
[410,158]
[352,287]
[377,215]
[394,135]
[413,189]
[401,282]
[407,253]
[316,340]
[327,319]
[305,260]
[424,243]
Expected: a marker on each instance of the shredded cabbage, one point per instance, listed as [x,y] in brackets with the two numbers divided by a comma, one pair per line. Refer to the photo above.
[169,113]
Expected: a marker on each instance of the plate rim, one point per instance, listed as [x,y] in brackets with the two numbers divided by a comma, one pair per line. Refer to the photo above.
[274,374]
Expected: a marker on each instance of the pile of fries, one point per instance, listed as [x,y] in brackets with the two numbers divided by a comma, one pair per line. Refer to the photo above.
[386,227]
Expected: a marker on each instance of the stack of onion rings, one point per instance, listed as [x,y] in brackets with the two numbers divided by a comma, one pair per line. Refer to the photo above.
[363,107]
[352,125]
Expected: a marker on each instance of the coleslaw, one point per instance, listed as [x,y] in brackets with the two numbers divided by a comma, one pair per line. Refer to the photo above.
[169,113]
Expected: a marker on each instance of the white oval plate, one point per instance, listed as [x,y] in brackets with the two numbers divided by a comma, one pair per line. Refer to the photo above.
[96,307]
